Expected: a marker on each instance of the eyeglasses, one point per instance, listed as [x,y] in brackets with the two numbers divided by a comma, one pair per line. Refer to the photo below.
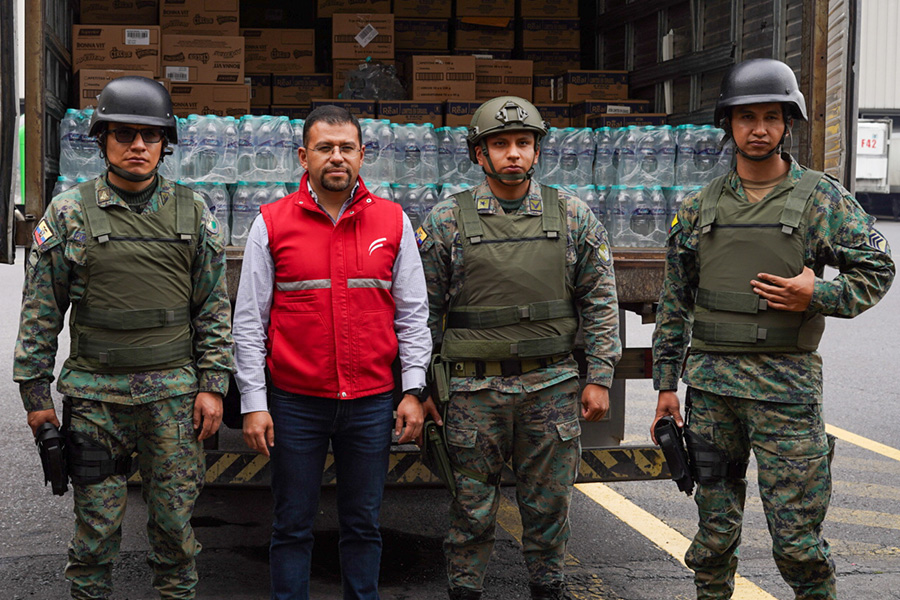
[126,135]
[346,150]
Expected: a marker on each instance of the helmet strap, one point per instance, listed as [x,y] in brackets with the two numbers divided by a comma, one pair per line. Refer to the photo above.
[502,177]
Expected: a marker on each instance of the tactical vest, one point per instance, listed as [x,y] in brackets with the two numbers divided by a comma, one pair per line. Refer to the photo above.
[135,312]
[739,240]
[515,302]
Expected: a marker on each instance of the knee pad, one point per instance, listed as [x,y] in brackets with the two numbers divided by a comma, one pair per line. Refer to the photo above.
[708,463]
[91,462]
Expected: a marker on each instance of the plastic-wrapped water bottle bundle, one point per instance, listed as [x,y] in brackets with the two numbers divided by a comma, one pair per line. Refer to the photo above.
[448,189]
[567,157]
[637,216]
[246,199]
[605,140]
[296,144]
[79,154]
[378,140]
[701,156]
[218,200]
[454,164]
[415,153]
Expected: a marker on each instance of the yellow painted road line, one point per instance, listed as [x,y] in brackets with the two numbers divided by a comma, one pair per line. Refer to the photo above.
[659,533]
[862,442]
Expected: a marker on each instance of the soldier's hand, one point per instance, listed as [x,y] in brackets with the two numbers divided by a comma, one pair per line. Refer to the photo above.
[594,402]
[259,433]
[207,414]
[666,406]
[410,418]
[793,294]
[36,418]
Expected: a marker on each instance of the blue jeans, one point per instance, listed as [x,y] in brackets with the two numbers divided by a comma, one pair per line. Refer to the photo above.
[360,435]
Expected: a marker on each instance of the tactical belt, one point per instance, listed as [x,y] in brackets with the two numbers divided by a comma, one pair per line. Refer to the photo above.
[501,368]
[134,356]
[745,333]
[132,319]
[477,318]
[524,349]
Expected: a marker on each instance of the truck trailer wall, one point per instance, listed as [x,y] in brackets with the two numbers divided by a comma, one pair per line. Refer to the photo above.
[879,48]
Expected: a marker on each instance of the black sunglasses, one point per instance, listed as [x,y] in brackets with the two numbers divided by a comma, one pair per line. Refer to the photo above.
[126,135]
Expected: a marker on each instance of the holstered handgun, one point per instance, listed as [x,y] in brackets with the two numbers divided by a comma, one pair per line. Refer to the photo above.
[670,438]
[52,449]
[434,449]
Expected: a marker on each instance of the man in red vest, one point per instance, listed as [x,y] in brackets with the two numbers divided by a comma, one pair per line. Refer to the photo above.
[331,291]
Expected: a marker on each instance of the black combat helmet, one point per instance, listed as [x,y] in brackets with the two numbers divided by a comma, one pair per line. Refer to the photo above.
[758,81]
[135,100]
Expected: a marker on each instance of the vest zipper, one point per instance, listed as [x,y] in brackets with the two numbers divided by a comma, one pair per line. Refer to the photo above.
[359,250]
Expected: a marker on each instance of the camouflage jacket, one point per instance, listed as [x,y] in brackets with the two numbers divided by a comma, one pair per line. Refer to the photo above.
[840,234]
[56,277]
[589,271]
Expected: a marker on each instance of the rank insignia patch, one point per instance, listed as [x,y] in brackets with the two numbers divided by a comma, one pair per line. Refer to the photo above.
[535,206]
[483,203]
[42,233]
[420,236]
[877,241]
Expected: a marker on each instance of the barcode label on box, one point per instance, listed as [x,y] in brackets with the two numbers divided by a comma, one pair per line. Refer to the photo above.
[181,74]
[618,109]
[365,36]
[137,37]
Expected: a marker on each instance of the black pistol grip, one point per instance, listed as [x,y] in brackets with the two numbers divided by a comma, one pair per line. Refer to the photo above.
[670,440]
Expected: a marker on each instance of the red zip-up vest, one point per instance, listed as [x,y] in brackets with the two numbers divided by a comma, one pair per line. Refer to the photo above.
[331,329]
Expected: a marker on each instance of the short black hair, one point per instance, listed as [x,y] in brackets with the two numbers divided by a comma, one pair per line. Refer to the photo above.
[333,115]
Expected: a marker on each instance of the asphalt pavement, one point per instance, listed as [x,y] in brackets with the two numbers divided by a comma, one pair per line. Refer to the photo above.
[626,536]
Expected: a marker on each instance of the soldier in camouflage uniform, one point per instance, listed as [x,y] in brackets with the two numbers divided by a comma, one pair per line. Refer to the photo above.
[744,287]
[512,266]
[141,262]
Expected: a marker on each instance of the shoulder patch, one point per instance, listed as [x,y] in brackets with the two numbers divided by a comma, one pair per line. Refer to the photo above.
[535,205]
[420,236]
[42,233]
[674,223]
[483,203]
[212,225]
[877,241]
[604,253]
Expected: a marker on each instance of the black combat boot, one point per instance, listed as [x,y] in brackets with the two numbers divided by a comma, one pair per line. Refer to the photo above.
[548,591]
[461,593]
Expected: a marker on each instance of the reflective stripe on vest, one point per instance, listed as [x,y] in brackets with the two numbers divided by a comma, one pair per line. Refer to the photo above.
[134,314]
[515,301]
[739,240]
[324,284]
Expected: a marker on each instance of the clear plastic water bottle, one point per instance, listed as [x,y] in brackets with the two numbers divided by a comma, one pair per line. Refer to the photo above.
[568,157]
[385,156]
[467,171]
[605,157]
[428,172]
[246,164]
[629,166]
[266,160]
[446,163]
[62,184]
[369,170]
[619,216]
[243,212]
[647,153]
[283,147]
[665,155]
[382,190]
[674,197]
[726,154]
[448,189]
[659,212]
[227,167]
[684,154]
[190,139]
[91,164]
[296,144]
[219,202]
[601,207]
[408,154]
[69,134]
[642,220]
[429,199]
[548,161]
[411,201]
[706,154]
[210,148]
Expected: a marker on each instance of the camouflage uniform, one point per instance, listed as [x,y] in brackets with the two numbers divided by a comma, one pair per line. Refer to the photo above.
[531,418]
[768,402]
[150,411]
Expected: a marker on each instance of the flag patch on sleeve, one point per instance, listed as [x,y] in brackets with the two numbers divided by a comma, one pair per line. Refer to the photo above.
[42,233]
[420,236]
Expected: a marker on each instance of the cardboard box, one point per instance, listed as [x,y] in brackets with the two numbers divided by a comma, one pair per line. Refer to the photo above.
[327,8]
[439,78]
[199,17]
[301,88]
[362,35]
[458,113]
[551,33]
[583,110]
[203,59]
[484,32]
[361,109]
[260,89]
[422,34]
[291,112]
[503,78]
[210,99]
[556,115]
[485,8]
[114,12]
[553,62]
[484,53]
[116,47]
[541,87]
[280,50]
[90,82]
[419,9]
[340,68]
[577,86]
[548,8]
[412,111]
[637,119]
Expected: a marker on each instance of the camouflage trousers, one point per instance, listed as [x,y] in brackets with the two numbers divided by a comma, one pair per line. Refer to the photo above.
[793,455]
[539,433]
[172,469]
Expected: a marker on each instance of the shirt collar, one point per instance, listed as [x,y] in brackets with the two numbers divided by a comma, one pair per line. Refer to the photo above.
[344,206]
